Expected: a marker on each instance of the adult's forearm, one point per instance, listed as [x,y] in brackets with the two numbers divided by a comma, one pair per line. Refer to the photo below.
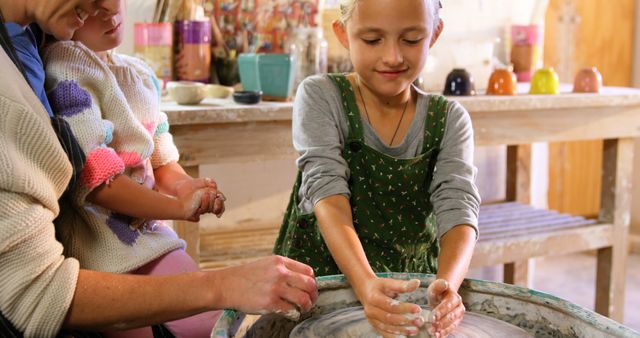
[120,301]
[456,250]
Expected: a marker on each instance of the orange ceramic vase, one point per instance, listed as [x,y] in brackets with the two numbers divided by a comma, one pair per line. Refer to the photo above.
[588,80]
[502,82]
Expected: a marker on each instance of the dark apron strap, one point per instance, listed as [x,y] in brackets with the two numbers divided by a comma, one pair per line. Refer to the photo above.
[435,122]
[350,107]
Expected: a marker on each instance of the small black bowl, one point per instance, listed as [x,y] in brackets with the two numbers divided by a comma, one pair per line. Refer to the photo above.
[459,82]
[247,96]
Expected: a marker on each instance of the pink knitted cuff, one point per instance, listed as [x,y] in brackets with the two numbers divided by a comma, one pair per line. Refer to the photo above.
[101,165]
[130,158]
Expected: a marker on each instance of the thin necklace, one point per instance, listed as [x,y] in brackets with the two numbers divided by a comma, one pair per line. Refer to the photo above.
[367,112]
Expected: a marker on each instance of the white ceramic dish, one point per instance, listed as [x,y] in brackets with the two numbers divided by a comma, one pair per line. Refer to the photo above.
[187,92]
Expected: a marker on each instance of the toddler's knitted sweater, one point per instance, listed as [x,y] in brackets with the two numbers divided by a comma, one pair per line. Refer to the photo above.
[113,110]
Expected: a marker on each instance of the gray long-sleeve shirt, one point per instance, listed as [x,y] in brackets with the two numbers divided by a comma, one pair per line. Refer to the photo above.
[320,130]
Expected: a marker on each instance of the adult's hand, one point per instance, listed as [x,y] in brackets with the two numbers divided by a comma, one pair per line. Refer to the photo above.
[271,284]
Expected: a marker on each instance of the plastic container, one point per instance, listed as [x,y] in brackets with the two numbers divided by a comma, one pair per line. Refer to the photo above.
[310,50]
[273,74]
[153,42]
[193,60]
[276,74]
[526,46]
[248,68]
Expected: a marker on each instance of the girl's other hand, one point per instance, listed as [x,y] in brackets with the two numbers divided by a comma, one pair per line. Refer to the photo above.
[387,315]
[447,306]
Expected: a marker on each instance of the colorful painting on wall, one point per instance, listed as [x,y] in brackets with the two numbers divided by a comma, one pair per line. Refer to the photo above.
[262,25]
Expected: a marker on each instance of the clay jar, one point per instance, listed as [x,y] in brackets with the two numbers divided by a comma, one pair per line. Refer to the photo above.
[588,80]
[545,81]
[502,82]
[459,82]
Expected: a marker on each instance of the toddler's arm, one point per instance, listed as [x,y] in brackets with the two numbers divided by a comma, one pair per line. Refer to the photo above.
[171,179]
[125,196]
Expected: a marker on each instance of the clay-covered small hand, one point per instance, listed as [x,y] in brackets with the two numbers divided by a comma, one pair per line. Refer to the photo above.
[388,316]
[447,306]
[199,196]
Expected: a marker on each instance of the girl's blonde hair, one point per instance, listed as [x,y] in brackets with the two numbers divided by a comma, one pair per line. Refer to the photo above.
[347,7]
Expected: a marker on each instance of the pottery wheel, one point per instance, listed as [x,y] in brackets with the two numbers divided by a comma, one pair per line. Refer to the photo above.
[351,323]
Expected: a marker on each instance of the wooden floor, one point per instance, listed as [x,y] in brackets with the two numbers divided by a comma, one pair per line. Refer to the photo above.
[233,247]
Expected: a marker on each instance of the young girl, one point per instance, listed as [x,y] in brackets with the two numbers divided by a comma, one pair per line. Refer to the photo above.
[130,176]
[386,177]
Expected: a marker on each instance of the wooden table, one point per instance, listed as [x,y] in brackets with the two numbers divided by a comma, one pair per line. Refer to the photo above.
[220,131]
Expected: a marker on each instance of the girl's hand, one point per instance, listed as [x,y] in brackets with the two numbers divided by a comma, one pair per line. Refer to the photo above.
[198,196]
[447,306]
[388,316]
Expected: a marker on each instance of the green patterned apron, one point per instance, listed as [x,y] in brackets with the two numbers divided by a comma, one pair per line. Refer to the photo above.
[390,201]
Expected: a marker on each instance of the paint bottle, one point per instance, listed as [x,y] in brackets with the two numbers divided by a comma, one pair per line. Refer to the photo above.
[193,57]
[525,51]
[153,42]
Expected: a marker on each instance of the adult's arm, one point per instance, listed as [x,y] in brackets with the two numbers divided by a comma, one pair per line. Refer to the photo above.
[117,301]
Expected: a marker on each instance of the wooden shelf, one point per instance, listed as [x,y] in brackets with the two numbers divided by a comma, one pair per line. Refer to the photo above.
[507,231]
[514,231]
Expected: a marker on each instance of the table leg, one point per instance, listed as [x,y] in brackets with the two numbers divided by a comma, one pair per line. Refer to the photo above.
[519,190]
[616,202]
[519,273]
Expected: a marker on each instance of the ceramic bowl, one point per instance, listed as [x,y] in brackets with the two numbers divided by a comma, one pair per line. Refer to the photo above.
[247,97]
[545,81]
[459,82]
[186,92]
[217,91]
[502,82]
[588,80]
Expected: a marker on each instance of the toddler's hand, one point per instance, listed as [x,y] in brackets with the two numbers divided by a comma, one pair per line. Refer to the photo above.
[447,306]
[199,196]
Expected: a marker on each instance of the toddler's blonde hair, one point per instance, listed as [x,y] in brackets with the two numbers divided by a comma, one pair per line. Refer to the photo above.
[347,7]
